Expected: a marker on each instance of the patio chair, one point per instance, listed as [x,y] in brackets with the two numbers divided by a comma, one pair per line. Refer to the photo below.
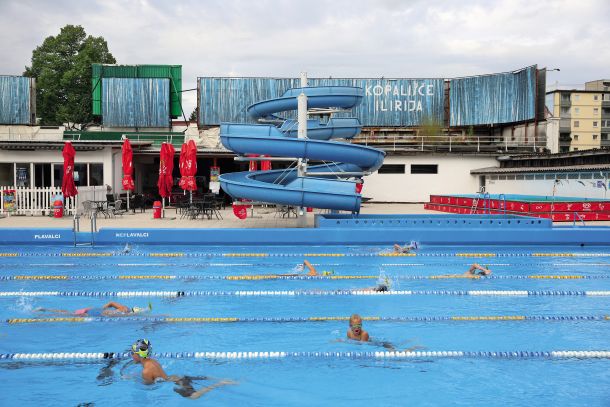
[117,208]
[88,209]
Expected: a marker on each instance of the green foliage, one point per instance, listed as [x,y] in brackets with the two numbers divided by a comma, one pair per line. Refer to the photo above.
[193,116]
[62,68]
[431,130]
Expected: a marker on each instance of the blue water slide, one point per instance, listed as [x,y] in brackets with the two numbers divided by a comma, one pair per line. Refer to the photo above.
[339,160]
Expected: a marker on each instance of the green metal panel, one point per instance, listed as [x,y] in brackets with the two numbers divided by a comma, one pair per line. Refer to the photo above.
[176,138]
[173,72]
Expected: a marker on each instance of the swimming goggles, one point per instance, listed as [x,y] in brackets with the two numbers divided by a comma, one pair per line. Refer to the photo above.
[142,348]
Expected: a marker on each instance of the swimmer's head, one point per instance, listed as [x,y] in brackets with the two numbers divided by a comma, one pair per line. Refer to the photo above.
[355,324]
[140,310]
[142,348]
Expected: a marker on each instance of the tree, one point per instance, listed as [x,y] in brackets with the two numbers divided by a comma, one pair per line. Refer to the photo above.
[194,116]
[62,68]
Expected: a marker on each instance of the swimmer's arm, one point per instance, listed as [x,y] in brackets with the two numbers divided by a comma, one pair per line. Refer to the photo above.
[364,337]
[152,373]
[204,390]
[116,305]
[312,269]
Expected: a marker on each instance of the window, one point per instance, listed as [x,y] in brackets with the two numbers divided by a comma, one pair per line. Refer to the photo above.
[539,176]
[573,175]
[577,110]
[576,123]
[424,169]
[595,137]
[605,123]
[576,137]
[575,149]
[565,111]
[520,177]
[595,111]
[586,175]
[576,97]
[550,176]
[6,174]
[529,177]
[604,137]
[392,169]
[594,124]
[96,174]
[42,175]
[23,175]
[595,97]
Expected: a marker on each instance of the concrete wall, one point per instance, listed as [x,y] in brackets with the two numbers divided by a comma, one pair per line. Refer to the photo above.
[453,178]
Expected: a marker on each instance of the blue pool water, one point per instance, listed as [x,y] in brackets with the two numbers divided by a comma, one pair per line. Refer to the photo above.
[225,282]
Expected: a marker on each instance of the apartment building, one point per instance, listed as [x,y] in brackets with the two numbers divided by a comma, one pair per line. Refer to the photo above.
[584,116]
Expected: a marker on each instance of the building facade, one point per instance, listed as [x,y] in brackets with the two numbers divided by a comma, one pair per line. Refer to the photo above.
[584,116]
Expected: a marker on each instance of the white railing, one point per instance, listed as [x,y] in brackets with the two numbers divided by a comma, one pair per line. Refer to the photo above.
[39,201]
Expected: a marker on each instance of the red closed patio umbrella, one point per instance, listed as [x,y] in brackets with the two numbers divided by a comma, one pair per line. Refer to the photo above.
[253,165]
[68,188]
[188,167]
[127,158]
[166,168]
[266,164]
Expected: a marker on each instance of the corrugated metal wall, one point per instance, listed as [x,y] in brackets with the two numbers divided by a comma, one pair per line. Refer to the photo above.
[387,102]
[135,102]
[171,72]
[15,100]
[499,98]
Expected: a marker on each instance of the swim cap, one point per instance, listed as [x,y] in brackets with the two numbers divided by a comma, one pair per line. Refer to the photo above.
[139,310]
[142,348]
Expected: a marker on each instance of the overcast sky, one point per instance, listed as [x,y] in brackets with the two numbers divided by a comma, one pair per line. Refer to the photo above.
[351,38]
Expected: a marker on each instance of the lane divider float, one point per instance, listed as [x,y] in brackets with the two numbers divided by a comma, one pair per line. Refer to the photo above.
[305,293]
[378,355]
[211,320]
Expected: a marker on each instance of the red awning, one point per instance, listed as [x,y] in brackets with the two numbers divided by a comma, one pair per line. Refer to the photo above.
[166,168]
[127,166]
[188,166]
[68,188]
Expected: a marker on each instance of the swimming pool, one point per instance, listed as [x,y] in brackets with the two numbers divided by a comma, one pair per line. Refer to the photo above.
[219,312]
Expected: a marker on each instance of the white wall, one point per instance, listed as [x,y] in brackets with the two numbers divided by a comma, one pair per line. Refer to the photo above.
[566,187]
[31,133]
[54,156]
[453,178]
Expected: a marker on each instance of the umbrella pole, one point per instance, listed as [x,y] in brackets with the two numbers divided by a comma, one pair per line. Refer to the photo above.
[127,201]
[163,208]
[191,197]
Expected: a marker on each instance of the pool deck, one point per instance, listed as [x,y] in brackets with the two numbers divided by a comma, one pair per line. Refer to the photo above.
[263,218]
[384,224]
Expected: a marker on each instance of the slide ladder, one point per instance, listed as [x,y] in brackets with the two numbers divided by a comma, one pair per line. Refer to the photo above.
[331,182]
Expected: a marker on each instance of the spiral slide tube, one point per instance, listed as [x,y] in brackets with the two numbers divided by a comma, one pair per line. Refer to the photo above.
[285,187]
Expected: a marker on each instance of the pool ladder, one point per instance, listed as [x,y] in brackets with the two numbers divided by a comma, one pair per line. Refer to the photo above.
[76,229]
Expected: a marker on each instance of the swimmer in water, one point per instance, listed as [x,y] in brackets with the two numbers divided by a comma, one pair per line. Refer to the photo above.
[355,330]
[126,249]
[475,271]
[111,309]
[406,248]
[152,371]
[356,333]
[301,267]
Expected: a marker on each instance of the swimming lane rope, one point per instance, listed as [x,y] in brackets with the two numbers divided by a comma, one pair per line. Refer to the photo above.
[374,254]
[223,320]
[515,354]
[304,277]
[296,293]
